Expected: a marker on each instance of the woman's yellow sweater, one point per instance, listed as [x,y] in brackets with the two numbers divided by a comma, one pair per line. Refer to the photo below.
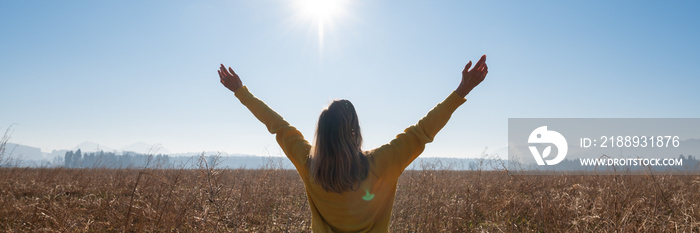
[368,209]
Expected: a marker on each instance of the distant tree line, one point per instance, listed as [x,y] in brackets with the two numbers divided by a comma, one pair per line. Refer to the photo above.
[101,159]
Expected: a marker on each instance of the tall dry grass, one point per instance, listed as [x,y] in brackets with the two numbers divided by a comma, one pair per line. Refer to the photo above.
[273,200]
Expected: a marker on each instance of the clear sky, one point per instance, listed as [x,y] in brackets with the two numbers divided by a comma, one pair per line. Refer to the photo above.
[119,72]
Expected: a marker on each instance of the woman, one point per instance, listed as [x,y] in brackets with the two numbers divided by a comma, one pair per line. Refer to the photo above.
[351,190]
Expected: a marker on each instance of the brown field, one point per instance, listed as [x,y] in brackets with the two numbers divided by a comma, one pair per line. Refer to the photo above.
[272,200]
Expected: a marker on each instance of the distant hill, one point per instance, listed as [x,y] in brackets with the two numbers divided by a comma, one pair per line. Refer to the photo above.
[23,152]
[28,156]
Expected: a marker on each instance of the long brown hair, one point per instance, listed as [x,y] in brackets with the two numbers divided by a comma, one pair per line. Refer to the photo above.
[337,162]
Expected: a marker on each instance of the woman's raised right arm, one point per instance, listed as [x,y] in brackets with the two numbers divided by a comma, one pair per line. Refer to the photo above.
[407,146]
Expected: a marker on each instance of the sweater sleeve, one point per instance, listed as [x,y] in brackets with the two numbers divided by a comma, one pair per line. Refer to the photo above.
[400,152]
[289,138]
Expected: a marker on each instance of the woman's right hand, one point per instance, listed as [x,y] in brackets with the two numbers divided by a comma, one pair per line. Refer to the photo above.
[229,78]
[472,78]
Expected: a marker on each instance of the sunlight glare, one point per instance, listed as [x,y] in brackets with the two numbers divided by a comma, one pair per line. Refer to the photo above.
[322,13]
[320,10]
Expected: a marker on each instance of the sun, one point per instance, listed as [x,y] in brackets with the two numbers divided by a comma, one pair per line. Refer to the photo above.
[320,10]
[322,13]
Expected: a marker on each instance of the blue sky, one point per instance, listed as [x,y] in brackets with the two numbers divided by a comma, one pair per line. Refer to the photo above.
[119,72]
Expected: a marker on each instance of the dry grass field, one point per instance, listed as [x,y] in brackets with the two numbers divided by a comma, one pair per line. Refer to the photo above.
[273,200]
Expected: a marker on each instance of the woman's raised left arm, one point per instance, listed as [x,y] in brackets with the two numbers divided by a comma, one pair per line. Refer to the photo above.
[289,138]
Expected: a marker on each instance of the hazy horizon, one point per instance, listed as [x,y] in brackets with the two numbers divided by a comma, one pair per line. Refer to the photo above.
[145,148]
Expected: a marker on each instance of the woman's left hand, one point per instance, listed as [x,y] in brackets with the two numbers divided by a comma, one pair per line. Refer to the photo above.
[229,78]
